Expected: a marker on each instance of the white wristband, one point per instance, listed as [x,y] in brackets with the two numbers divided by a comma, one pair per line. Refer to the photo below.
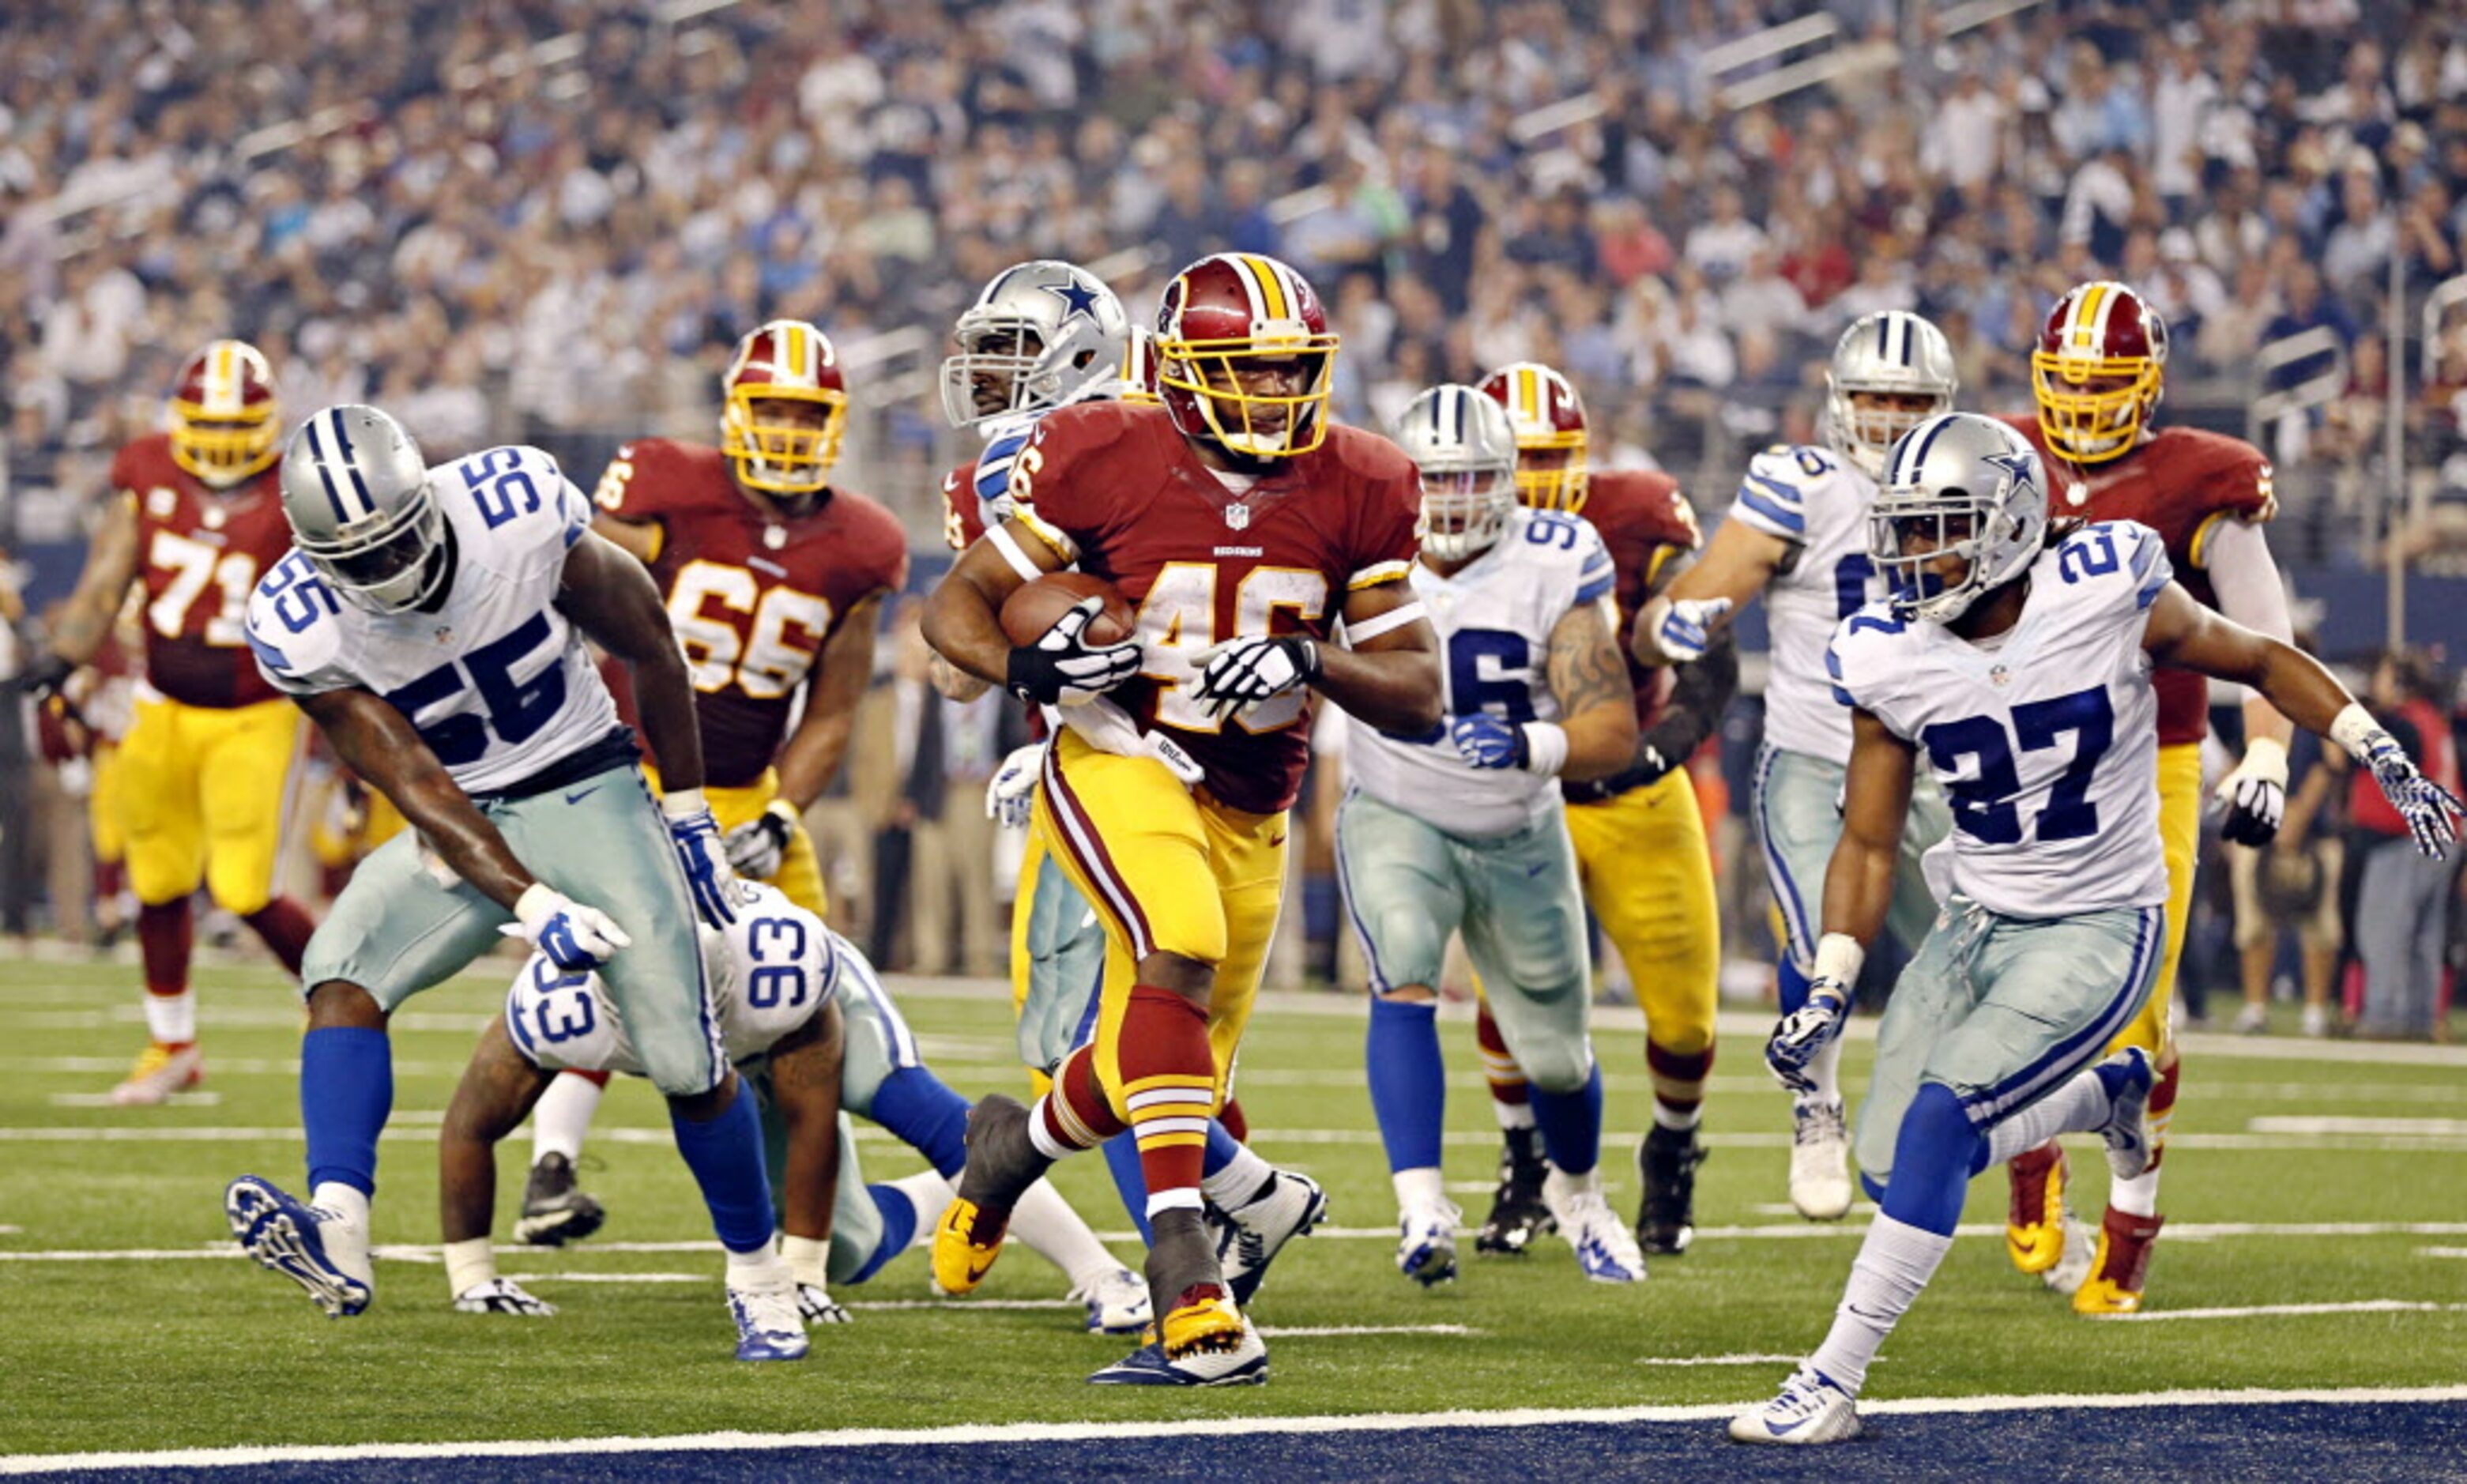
[1546,747]
[2266,759]
[468,1265]
[2354,729]
[539,903]
[682,803]
[1840,957]
[809,1258]
[1648,623]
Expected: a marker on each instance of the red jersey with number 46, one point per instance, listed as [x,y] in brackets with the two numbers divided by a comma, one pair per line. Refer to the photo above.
[2181,484]
[1113,486]
[200,552]
[754,594]
[1644,521]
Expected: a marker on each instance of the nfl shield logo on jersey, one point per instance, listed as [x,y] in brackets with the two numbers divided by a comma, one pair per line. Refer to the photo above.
[1237,516]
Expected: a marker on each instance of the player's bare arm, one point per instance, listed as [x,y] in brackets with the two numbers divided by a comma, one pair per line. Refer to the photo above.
[85,619]
[805,1086]
[2182,632]
[377,742]
[1876,798]
[1390,679]
[1596,709]
[810,756]
[962,619]
[612,599]
[640,540]
[495,1095]
[1735,565]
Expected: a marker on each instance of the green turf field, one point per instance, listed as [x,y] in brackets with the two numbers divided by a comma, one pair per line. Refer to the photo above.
[143,1345]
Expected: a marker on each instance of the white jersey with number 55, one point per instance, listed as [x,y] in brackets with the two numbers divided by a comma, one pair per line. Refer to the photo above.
[770,972]
[1811,499]
[496,681]
[2046,738]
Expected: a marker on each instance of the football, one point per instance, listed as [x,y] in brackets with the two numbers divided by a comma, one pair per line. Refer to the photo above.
[1034,607]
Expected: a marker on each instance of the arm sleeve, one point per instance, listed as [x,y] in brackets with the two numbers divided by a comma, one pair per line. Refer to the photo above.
[2247,580]
[1700,692]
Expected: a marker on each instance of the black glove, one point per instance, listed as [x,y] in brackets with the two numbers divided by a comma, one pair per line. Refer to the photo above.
[1063,669]
[45,676]
[1240,672]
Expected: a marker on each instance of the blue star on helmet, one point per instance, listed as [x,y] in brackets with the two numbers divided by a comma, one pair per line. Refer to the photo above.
[2021,466]
[1077,298]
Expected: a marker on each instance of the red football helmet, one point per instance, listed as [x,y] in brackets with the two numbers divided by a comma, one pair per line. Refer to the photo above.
[1550,420]
[226,421]
[1244,356]
[784,362]
[1139,366]
[2098,370]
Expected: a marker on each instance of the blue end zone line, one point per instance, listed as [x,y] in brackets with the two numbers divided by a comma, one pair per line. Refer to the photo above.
[1208,1428]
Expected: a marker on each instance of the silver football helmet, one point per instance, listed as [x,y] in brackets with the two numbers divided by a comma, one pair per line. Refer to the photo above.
[1893,351]
[356,493]
[1042,334]
[1963,486]
[1465,448]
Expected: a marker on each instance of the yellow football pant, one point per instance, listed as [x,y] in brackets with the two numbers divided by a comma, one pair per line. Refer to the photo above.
[1648,875]
[800,877]
[202,794]
[104,825]
[1168,872]
[2179,832]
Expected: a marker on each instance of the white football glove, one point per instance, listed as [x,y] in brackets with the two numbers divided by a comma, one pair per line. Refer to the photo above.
[1010,794]
[502,1295]
[1063,668]
[1798,1036]
[755,847]
[2254,795]
[577,938]
[1686,627]
[819,1307]
[1238,672]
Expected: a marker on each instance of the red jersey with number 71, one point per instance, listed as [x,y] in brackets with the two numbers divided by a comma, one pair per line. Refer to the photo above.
[200,552]
[754,594]
[1114,487]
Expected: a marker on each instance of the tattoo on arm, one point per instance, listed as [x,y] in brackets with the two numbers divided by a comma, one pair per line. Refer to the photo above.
[1583,665]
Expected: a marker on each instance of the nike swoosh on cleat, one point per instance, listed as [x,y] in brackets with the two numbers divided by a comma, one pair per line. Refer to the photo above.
[1783,1429]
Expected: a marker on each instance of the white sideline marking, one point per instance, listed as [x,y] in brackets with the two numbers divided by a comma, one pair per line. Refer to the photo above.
[208,1098]
[2260,1310]
[1345,1331]
[2441,1251]
[1727,1359]
[1208,1428]
[2379,1128]
[948,1305]
[610,1277]
[220,1066]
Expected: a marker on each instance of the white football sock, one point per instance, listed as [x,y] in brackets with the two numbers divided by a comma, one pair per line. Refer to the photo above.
[1235,1185]
[1053,1232]
[1826,1070]
[929,1193]
[1665,1117]
[1513,1116]
[346,1235]
[2074,1107]
[1419,1186]
[763,1267]
[562,1117]
[171,1019]
[1894,1263]
[2138,1196]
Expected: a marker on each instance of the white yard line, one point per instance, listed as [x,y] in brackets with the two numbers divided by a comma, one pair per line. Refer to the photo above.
[710,1278]
[1205,1429]
[2277,1311]
[1727,1359]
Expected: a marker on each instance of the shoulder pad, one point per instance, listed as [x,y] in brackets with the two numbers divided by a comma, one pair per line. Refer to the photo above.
[295,629]
[521,496]
[1772,496]
[1860,660]
[563,1021]
[1368,456]
[2126,557]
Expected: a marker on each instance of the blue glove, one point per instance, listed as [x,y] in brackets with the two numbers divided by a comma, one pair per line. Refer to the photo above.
[1484,741]
[1686,628]
[1806,1031]
[575,938]
[695,836]
[2431,811]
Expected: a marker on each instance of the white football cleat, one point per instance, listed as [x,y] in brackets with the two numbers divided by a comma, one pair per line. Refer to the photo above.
[1810,1409]
[1605,1245]
[289,1236]
[2130,1144]
[769,1324]
[1249,1238]
[1819,1159]
[1426,1242]
[1118,1303]
[502,1295]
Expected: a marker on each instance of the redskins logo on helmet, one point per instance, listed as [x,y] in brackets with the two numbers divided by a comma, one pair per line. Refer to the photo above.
[225,420]
[1549,418]
[2098,370]
[1244,356]
[783,364]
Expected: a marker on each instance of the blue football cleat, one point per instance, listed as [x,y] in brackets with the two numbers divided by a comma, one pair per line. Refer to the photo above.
[1245,1364]
[769,1325]
[284,1234]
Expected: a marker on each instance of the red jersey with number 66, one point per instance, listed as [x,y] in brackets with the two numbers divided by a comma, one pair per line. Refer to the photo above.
[1113,486]
[754,594]
[200,552]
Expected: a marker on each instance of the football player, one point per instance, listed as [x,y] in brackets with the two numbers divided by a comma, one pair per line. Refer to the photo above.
[774,579]
[432,623]
[2022,670]
[1243,525]
[2097,373]
[815,1035]
[1797,532]
[204,774]
[1639,836]
[1043,335]
[1460,828]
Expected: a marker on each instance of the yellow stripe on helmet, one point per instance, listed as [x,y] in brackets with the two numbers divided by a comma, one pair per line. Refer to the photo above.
[1272,289]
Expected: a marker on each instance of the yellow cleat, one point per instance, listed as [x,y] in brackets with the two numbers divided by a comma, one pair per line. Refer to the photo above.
[1209,1326]
[2121,1268]
[2034,1227]
[965,1243]
[160,1071]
